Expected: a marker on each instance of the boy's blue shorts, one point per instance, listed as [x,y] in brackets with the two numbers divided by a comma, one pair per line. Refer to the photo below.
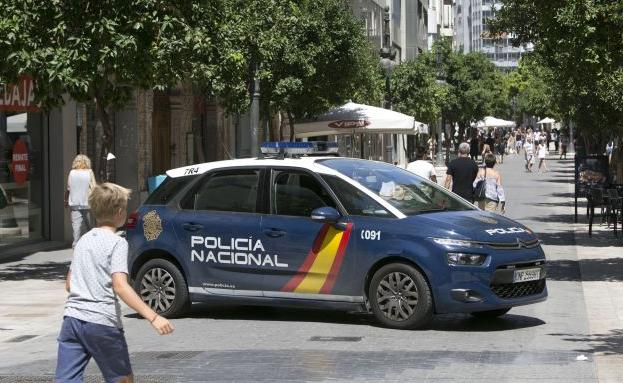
[80,340]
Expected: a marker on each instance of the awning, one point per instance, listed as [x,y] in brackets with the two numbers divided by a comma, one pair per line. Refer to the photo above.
[359,118]
[17,123]
[492,122]
[546,120]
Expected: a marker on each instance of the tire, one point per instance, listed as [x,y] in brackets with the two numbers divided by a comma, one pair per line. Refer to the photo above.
[389,292]
[490,314]
[161,285]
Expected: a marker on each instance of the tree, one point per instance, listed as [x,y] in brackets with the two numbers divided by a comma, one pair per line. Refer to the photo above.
[416,91]
[314,57]
[580,42]
[101,51]
[533,89]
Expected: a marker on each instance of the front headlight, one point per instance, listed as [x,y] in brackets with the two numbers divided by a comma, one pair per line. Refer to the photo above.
[465,259]
[457,242]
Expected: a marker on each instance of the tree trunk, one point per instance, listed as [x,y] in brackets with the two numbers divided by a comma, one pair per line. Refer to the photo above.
[291,123]
[107,139]
[281,123]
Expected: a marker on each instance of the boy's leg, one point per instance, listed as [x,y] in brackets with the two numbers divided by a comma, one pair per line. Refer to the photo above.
[108,347]
[72,356]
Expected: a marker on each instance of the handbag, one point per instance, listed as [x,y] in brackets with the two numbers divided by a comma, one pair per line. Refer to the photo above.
[4,200]
[480,190]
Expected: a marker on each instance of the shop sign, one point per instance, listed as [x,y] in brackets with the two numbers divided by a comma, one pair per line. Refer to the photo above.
[19,97]
[20,164]
[349,124]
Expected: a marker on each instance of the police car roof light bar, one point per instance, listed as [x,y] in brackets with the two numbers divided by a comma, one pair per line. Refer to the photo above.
[297,149]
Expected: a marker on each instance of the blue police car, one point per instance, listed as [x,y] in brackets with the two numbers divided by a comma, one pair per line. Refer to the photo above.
[332,232]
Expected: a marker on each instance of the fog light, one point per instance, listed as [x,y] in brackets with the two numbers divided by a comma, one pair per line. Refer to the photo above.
[466,259]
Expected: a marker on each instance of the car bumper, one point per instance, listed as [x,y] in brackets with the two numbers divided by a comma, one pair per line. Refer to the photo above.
[490,287]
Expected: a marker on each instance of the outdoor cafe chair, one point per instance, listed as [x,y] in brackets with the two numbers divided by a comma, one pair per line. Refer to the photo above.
[596,199]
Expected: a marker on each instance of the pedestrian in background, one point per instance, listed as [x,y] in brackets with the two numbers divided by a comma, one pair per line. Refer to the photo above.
[422,167]
[461,174]
[610,150]
[529,153]
[495,200]
[80,182]
[564,141]
[542,153]
[98,274]
[474,147]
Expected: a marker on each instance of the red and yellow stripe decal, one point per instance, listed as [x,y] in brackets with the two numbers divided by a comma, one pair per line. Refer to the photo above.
[319,271]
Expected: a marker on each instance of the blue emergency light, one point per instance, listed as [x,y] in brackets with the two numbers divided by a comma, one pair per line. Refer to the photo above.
[299,148]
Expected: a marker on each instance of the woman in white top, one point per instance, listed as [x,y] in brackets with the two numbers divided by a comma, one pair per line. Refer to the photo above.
[79,184]
[541,153]
[495,200]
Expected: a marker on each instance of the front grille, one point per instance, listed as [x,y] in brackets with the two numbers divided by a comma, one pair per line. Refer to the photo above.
[531,244]
[518,290]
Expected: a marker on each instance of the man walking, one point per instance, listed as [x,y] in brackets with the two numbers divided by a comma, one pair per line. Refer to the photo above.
[461,174]
[529,152]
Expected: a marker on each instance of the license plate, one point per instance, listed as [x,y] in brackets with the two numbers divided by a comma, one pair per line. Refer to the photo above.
[526,275]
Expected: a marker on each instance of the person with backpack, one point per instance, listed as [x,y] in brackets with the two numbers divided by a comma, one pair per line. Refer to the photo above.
[488,190]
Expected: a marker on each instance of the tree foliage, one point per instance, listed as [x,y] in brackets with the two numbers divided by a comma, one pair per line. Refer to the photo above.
[101,51]
[580,42]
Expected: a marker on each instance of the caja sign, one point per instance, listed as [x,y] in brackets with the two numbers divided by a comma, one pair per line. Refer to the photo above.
[19,97]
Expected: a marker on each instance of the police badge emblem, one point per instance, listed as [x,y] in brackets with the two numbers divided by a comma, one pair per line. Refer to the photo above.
[152,225]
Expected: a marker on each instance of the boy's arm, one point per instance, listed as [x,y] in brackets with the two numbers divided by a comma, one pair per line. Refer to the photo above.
[123,289]
[68,281]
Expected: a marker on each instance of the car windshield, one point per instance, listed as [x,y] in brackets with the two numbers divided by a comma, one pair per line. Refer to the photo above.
[404,190]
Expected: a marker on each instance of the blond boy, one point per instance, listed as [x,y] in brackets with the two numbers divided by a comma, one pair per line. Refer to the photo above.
[98,274]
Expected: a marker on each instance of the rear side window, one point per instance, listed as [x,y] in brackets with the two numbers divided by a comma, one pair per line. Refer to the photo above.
[168,189]
[234,191]
[354,200]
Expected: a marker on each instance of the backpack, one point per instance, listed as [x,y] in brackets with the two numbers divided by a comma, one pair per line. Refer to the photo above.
[481,188]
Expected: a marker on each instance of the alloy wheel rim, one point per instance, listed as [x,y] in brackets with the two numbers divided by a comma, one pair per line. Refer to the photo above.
[158,289]
[397,296]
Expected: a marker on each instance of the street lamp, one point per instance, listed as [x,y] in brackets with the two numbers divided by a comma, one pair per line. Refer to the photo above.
[388,55]
[442,81]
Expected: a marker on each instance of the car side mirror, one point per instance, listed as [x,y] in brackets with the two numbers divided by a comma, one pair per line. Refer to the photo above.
[326,214]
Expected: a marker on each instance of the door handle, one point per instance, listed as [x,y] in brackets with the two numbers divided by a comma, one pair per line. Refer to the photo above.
[189,226]
[274,233]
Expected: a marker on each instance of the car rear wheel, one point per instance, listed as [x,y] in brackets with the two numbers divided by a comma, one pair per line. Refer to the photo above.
[490,313]
[400,297]
[161,285]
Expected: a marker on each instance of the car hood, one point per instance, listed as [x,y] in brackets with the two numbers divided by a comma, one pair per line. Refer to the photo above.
[473,225]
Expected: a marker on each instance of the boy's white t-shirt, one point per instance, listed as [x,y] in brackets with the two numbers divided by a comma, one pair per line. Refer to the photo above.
[97,255]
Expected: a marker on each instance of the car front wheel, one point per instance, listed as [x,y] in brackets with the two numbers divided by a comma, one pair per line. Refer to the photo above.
[161,285]
[400,297]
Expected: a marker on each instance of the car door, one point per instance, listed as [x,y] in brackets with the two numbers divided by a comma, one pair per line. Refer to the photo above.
[217,229]
[311,258]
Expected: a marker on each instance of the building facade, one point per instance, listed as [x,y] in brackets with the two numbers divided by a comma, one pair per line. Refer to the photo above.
[440,20]
[472,34]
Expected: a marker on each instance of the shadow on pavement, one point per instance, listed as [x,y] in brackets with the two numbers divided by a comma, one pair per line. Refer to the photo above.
[608,344]
[49,271]
[444,322]
[562,195]
[601,238]
[592,270]
[564,218]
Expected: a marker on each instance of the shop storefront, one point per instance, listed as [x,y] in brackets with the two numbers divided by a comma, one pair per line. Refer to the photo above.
[21,166]
[32,164]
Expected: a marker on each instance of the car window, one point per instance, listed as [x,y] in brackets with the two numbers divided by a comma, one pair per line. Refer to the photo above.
[355,201]
[234,191]
[297,193]
[168,189]
[404,190]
